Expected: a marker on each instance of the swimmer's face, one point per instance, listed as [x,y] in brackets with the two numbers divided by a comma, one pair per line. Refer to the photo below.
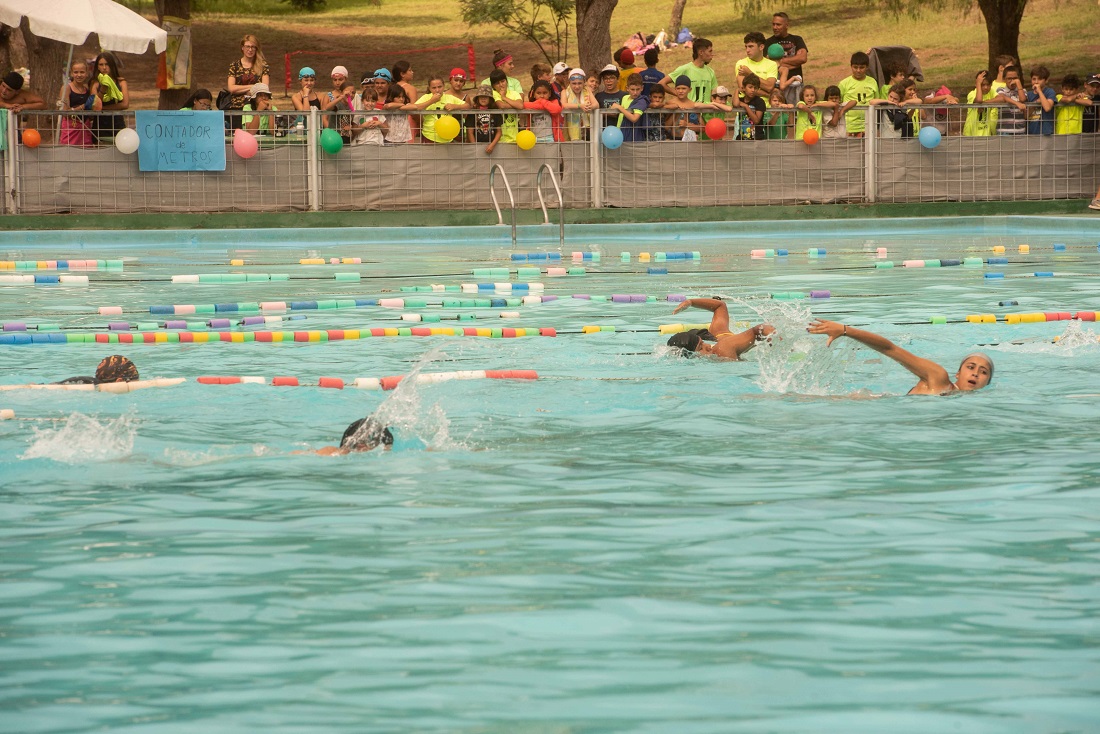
[705,347]
[974,374]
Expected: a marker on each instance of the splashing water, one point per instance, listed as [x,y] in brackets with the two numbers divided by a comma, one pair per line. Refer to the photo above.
[1075,337]
[84,438]
[403,410]
[794,361]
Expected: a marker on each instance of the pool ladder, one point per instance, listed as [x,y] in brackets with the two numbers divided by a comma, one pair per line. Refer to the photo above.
[545,167]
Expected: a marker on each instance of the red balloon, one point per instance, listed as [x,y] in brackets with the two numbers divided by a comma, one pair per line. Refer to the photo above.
[810,137]
[715,128]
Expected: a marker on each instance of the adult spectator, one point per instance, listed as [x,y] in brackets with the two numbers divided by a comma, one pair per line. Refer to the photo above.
[13,97]
[113,93]
[795,54]
[754,64]
[702,77]
[403,77]
[250,69]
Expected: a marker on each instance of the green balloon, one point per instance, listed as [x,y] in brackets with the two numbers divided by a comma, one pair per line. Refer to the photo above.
[331,142]
[775,52]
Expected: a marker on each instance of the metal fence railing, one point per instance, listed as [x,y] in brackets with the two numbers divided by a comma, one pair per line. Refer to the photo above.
[291,171]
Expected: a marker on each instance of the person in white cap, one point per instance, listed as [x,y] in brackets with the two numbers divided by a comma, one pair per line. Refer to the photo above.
[341,97]
[577,101]
[259,100]
[975,372]
[561,77]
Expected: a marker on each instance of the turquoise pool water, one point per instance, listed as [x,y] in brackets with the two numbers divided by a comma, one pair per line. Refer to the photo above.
[631,542]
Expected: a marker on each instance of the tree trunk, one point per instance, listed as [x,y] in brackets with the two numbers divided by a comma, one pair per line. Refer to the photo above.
[677,19]
[1002,24]
[594,33]
[13,52]
[46,58]
[173,99]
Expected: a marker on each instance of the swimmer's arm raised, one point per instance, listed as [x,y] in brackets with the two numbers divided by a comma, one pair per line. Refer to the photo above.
[930,373]
[719,322]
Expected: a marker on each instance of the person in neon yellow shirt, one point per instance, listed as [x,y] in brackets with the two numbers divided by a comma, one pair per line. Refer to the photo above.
[755,63]
[807,118]
[1069,115]
[980,122]
[506,99]
[857,89]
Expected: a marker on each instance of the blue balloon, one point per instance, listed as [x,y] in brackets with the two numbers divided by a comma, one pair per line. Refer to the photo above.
[929,137]
[612,137]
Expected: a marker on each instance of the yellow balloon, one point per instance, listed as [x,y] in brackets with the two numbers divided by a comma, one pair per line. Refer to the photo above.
[526,140]
[446,127]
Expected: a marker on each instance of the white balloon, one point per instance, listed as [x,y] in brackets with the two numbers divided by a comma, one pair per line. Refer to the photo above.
[127,141]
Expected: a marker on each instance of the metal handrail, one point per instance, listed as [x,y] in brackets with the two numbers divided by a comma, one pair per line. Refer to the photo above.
[511,199]
[561,202]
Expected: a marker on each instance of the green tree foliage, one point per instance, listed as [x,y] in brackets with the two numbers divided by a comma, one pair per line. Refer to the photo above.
[544,23]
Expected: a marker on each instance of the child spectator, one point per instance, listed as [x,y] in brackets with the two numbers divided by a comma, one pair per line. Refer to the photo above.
[433,99]
[754,63]
[369,128]
[1091,121]
[577,101]
[199,101]
[561,78]
[631,109]
[806,118]
[894,74]
[259,100]
[898,122]
[340,98]
[457,90]
[836,125]
[700,75]
[857,89]
[1040,103]
[382,79]
[79,94]
[777,123]
[651,76]
[113,92]
[506,99]
[1070,113]
[654,117]
[592,82]
[1013,120]
[609,93]
[483,126]
[399,130]
[502,61]
[1003,62]
[306,97]
[546,124]
[752,107]
[683,118]
[624,59]
[544,73]
[980,122]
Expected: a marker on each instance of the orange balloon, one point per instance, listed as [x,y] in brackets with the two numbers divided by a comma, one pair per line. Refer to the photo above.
[31,138]
[810,137]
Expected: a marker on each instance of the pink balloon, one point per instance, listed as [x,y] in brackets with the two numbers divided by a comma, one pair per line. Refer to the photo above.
[245,144]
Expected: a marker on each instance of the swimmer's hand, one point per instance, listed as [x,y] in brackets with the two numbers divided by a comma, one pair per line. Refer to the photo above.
[686,303]
[830,328]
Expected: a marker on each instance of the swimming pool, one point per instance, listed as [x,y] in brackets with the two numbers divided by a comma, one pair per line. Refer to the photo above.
[631,542]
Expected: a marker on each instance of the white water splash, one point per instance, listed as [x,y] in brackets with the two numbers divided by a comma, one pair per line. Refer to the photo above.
[792,360]
[404,413]
[84,438]
[1077,337]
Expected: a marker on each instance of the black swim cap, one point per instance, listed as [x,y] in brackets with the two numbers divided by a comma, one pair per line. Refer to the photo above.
[116,368]
[686,341]
[365,434]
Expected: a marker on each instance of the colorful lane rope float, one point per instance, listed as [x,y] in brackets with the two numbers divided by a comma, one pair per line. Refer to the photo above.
[370,383]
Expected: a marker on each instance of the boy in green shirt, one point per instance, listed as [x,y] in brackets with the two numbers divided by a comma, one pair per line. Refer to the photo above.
[1069,114]
[857,89]
[755,63]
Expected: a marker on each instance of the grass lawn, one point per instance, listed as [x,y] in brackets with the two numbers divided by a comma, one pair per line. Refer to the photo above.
[951,45]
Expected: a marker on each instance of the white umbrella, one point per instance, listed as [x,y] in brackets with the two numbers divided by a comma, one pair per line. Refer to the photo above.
[72,21]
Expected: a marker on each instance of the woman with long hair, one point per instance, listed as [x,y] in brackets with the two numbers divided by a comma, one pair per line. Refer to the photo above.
[251,68]
[113,92]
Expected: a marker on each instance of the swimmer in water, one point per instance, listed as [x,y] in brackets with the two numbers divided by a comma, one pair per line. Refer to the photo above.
[115,368]
[727,345]
[975,372]
[364,434]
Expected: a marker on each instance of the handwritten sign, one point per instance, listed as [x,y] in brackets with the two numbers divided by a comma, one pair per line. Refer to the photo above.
[181,140]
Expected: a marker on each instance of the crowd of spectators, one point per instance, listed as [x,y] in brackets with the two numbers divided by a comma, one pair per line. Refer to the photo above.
[770,97]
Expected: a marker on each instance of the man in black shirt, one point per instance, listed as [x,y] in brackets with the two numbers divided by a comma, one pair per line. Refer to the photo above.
[795,54]
[1091,121]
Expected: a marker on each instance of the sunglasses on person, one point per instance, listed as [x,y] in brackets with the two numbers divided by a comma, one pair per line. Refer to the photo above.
[307,77]
[459,77]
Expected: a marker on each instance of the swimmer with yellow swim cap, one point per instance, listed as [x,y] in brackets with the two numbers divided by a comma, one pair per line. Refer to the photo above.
[726,345]
[974,373]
